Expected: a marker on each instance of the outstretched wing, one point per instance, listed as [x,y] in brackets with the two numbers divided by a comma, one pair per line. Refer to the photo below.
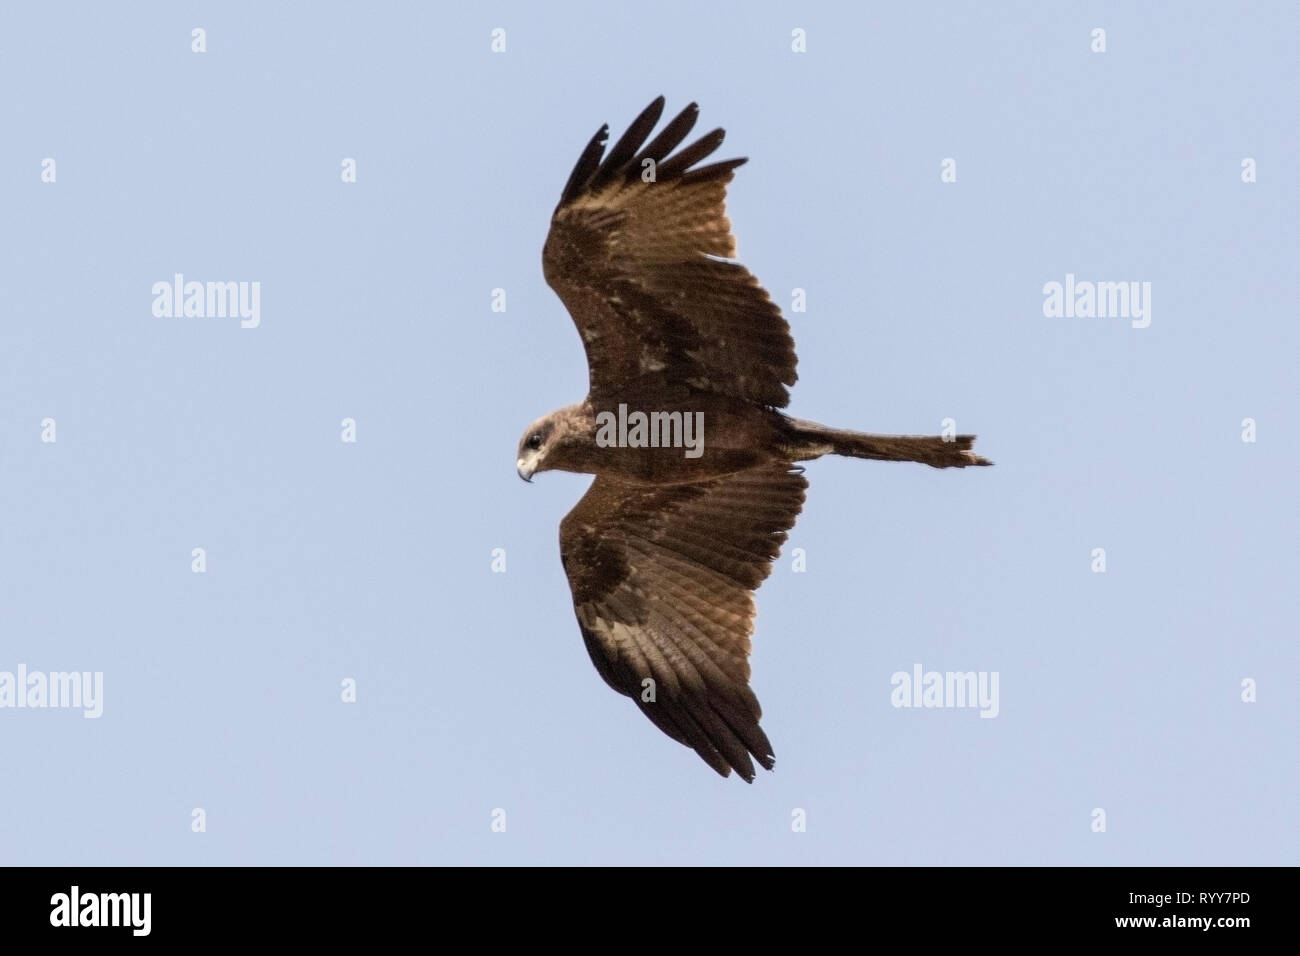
[633,252]
[663,580]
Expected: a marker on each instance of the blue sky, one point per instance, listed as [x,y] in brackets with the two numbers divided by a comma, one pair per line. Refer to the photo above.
[371,560]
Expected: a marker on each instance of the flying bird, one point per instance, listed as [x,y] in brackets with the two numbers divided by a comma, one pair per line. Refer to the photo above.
[696,484]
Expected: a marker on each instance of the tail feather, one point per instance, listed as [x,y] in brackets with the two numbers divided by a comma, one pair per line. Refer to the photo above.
[812,440]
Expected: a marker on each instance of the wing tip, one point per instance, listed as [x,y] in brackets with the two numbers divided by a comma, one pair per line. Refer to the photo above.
[596,169]
[586,167]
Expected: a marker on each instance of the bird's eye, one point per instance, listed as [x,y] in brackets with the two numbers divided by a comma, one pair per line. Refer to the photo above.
[534,442]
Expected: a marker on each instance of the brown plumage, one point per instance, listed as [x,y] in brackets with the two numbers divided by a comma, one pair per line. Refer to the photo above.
[665,549]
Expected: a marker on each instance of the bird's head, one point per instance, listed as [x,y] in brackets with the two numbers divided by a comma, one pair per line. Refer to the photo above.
[533,447]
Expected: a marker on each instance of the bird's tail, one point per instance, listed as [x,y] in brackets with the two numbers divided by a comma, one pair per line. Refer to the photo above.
[811,440]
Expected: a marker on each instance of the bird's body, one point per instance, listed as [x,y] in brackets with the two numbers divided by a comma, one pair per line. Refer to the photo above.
[732,438]
[690,363]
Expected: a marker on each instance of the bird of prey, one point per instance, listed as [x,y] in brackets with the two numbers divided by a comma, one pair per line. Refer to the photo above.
[696,484]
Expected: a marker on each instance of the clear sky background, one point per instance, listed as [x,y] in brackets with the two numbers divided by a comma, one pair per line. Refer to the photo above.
[1118,690]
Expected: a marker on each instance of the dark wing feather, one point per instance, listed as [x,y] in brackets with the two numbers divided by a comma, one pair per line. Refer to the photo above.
[627,146]
[585,167]
[670,137]
[663,579]
[639,265]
